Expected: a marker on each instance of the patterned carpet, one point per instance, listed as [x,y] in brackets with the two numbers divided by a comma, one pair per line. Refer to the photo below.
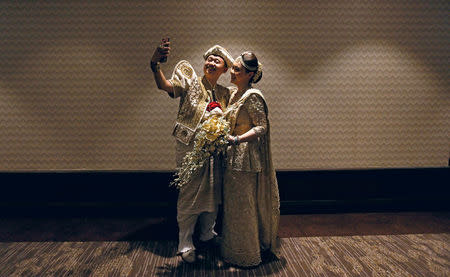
[374,255]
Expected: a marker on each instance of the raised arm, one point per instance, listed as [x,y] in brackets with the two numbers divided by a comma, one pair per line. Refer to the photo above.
[161,82]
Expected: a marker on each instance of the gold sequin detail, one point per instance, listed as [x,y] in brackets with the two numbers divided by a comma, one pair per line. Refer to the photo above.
[186,71]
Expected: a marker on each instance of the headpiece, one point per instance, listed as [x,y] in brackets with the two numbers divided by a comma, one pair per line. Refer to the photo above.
[221,52]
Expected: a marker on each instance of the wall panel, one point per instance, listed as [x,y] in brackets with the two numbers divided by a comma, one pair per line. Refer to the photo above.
[350,84]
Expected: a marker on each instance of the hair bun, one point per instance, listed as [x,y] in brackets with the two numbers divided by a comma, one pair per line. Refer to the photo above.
[258,74]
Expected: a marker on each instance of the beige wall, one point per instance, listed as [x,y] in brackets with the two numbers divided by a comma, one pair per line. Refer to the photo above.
[350,84]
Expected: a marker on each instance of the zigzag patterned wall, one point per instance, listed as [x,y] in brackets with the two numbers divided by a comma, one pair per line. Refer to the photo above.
[350,84]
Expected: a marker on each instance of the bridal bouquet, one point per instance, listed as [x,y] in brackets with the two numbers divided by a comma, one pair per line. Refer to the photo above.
[210,139]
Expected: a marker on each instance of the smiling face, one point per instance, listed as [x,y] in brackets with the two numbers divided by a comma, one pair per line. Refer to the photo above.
[214,66]
[239,75]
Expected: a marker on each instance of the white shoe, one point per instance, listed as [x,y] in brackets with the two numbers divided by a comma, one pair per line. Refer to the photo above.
[189,256]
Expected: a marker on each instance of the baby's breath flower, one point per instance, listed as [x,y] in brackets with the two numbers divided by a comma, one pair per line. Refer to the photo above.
[210,139]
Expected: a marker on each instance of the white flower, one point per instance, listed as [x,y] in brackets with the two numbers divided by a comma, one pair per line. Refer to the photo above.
[209,140]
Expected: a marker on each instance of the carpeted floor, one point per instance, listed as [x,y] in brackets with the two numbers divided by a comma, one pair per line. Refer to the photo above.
[358,244]
[379,255]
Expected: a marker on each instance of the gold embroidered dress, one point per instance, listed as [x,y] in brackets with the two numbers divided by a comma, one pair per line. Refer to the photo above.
[250,189]
[200,195]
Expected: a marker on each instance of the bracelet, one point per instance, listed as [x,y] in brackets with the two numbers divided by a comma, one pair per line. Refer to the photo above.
[236,140]
[154,66]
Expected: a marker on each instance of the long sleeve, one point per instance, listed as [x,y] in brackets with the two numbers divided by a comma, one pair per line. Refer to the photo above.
[257,114]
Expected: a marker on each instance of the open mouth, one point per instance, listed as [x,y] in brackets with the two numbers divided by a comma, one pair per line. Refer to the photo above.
[210,68]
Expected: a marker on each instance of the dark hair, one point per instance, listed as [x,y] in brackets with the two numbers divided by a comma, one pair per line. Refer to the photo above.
[251,62]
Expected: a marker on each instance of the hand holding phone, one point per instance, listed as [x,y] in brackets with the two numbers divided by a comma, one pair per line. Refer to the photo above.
[165,43]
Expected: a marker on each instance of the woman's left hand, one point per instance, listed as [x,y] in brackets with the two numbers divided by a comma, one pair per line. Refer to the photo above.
[233,140]
[230,140]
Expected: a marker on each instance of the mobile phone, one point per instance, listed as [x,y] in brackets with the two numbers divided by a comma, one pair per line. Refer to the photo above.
[164,59]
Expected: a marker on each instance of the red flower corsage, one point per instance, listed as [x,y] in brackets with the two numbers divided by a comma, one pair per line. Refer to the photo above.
[212,105]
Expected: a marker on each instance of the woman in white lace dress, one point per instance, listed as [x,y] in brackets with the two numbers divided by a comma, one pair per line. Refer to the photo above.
[250,191]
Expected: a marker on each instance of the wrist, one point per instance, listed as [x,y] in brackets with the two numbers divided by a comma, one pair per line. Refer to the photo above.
[236,140]
[155,66]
